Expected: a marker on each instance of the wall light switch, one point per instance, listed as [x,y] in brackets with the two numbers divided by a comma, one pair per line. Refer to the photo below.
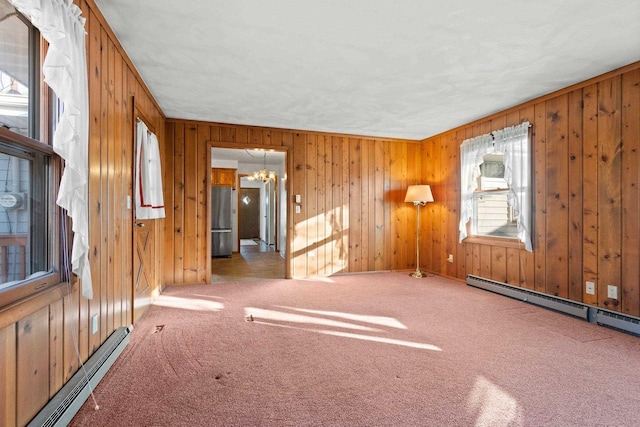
[591,288]
[297,208]
[298,198]
[612,292]
[128,202]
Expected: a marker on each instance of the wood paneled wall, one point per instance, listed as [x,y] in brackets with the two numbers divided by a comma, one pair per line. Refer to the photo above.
[37,350]
[585,146]
[353,217]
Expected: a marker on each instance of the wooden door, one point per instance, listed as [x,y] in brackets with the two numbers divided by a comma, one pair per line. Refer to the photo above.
[249,217]
[143,261]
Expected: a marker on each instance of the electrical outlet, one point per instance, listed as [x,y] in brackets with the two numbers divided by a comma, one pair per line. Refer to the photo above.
[612,292]
[297,208]
[591,288]
[94,324]
[450,259]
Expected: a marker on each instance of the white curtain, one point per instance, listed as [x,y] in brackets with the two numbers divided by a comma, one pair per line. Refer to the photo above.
[472,152]
[513,142]
[65,71]
[148,195]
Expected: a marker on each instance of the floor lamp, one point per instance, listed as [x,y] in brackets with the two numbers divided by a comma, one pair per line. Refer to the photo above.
[419,195]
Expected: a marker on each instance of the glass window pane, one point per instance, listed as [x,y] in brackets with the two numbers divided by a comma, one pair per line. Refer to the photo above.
[14,70]
[23,219]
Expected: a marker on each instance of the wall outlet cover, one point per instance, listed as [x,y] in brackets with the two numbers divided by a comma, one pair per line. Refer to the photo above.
[591,288]
[612,292]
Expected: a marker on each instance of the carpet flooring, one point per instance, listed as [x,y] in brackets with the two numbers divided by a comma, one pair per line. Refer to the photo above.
[378,349]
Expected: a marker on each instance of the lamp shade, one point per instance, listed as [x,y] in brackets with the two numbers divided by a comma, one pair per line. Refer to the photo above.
[418,193]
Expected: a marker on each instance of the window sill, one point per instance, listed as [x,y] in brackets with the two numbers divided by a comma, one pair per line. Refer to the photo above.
[505,242]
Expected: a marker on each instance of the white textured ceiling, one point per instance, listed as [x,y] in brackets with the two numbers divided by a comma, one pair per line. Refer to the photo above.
[403,68]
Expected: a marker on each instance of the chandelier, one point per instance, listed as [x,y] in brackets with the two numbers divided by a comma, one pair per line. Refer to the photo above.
[262,174]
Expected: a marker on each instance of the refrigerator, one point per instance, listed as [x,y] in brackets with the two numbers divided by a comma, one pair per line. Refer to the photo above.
[221,222]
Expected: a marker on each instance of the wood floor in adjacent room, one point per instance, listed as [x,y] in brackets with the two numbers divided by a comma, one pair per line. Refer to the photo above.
[259,261]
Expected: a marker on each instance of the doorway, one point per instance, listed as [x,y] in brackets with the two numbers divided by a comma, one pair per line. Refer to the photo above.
[260,253]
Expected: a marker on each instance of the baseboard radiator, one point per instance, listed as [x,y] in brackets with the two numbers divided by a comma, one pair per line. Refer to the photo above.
[67,402]
[612,319]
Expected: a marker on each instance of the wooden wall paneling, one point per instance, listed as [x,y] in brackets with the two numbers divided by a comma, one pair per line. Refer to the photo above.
[460,253]
[190,257]
[203,265]
[590,190]
[513,273]
[104,194]
[275,138]
[388,207]
[355,207]
[527,259]
[539,195]
[452,177]
[56,347]
[255,136]
[380,224]
[576,195]
[328,204]
[557,202]
[430,225]
[266,137]
[119,238]
[411,217]
[365,204]
[346,189]
[476,269]
[171,204]
[8,369]
[32,383]
[178,207]
[71,326]
[111,199]
[96,125]
[499,263]
[321,193]
[311,200]
[609,191]
[298,253]
[399,209]
[630,197]
[335,214]
[223,133]
[486,265]
[438,209]
[127,191]
[372,200]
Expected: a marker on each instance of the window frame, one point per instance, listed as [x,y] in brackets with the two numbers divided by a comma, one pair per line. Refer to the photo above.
[41,122]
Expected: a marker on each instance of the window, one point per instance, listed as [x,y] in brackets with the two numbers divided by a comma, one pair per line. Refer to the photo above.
[496,185]
[492,214]
[18,72]
[27,228]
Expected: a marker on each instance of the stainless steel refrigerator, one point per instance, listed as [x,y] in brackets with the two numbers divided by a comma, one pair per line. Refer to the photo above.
[221,222]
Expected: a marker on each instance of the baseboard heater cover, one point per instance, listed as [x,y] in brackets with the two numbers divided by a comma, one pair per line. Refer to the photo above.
[549,301]
[67,402]
[619,321]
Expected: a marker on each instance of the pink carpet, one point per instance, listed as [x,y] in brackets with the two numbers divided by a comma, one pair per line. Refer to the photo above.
[365,350]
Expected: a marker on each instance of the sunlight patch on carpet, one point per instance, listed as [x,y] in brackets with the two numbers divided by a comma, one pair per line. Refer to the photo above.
[194,304]
[376,320]
[281,316]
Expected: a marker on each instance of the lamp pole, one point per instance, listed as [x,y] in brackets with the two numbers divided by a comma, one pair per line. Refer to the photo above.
[418,273]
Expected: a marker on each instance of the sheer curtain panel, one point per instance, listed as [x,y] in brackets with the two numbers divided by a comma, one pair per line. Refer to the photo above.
[513,142]
[65,71]
[472,152]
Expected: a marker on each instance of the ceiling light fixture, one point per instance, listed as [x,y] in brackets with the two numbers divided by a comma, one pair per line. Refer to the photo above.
[262,174]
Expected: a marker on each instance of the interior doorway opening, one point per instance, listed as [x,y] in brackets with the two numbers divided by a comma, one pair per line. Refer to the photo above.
[259,214]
